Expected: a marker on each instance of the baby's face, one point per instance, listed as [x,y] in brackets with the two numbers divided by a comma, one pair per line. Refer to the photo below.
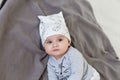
[56,45]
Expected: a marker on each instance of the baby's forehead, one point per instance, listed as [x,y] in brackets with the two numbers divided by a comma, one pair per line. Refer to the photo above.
[55,36]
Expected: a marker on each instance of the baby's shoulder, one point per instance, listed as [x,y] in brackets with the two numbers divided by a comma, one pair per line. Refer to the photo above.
[73,51]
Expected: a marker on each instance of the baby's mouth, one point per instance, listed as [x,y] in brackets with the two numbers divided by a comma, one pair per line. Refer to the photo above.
[55,50]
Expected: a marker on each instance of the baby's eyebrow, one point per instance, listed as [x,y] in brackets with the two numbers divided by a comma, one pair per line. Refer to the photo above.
[47,40]
[59,36]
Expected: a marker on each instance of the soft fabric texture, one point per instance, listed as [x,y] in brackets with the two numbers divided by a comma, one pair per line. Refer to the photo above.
[71,66]
[108,16]
[51,25]
[21,54]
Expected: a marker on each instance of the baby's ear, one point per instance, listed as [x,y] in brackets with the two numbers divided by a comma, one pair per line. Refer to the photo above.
[69,43]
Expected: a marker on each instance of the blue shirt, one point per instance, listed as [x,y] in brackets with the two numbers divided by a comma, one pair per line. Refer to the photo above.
[72,66]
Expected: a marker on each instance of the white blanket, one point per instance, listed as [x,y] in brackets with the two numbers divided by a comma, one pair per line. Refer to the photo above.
[107,13]
[0,1]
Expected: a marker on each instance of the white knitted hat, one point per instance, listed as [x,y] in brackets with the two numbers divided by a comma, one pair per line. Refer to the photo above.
[52,25]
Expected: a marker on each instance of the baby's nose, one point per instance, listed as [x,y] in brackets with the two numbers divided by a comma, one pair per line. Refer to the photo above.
[55,44]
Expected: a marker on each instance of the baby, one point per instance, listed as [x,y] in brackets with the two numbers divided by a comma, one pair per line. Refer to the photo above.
[65,62]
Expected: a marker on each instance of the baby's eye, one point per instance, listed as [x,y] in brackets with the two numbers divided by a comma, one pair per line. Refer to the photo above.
[60,40]
[49,42]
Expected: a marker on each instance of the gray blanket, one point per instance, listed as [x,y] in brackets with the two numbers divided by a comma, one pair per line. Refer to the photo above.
[21,55]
